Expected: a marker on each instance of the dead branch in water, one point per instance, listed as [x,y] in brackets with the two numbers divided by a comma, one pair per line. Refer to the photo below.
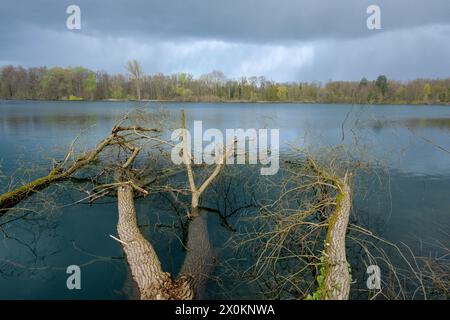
[58,173]
[152,281]
[200,257]
[63,171]
[307,205]
[196,192]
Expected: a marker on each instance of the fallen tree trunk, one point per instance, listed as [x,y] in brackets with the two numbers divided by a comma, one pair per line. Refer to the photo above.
[199,260]
[152,281]
[337,273]
[10,199]
[334,278]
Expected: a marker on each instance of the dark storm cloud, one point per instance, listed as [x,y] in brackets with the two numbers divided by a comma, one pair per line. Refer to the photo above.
[282,39]
[231,20]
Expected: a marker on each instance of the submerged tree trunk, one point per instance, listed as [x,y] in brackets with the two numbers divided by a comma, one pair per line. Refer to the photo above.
[146,269]
[199,260]
[152,281]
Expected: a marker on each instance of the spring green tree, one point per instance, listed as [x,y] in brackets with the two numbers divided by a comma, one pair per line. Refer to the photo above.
[282,93]
[57,83]
[427,91]
[90,85]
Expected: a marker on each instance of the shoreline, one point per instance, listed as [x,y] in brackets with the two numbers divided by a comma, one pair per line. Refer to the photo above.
[235,102]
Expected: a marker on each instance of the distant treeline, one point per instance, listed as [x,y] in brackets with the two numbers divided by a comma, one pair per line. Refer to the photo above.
[79,83]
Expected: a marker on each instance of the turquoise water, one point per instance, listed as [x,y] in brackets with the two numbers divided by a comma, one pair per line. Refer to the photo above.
[411,206]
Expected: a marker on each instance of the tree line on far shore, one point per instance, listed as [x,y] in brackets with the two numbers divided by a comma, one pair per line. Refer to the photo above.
[79,83]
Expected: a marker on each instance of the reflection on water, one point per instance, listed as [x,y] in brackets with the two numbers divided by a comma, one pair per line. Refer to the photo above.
[413,123]
[411,205]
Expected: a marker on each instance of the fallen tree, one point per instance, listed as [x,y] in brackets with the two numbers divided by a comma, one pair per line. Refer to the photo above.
[337,274]
[153,283]
[334,278]
[303,237]
[58,173]
[298,236]
[145,266]
[63,170]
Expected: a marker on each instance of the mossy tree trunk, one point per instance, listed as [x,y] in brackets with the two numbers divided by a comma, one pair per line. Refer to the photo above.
[12,198]
[337,273]
[59,173]
[335,276]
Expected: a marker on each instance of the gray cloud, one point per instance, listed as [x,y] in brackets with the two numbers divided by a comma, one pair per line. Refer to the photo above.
[282,39]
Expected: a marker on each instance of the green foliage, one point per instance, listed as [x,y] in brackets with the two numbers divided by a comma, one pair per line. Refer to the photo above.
[90,84]
[382,84]
[61,83]
[135,69]
[184,93]
[427,91]
[363,82]
[320,292]
[56,83]
[74,98]
[182,79]
[282,93]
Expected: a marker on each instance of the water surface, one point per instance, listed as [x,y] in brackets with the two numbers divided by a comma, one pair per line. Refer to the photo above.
[412,206]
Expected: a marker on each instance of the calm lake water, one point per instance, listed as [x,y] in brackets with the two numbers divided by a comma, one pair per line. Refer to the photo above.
[412,205]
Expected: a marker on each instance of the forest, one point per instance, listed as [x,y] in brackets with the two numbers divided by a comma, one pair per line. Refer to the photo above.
[79,83]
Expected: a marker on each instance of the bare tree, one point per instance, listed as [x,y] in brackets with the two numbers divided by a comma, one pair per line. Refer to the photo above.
[135,69]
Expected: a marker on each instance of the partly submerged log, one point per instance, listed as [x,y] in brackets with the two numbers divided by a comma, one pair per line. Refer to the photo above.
[200,256]
[337,274]
[10,199]
[152,281]
[334,278]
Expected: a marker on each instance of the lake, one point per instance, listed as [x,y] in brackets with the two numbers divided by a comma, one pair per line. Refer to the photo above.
[410,206]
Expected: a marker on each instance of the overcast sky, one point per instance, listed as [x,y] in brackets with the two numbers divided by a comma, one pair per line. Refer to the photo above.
[284,40]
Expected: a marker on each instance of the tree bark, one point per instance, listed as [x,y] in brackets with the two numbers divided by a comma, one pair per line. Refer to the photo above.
[337,274]
[335,268]
[199,260]
[12,198]
[152,281]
